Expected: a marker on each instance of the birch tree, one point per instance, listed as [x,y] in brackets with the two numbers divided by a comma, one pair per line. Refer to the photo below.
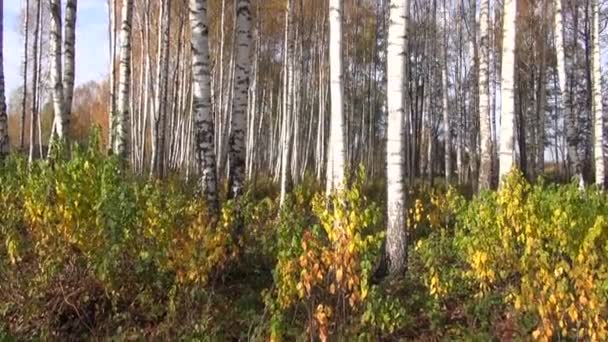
[396,240]
[201,102]
[160,113]
[24,65]
[122,117]
[572,138]
[4,141]
[61,120]
[287,102]
[237,152]
[336,160]
[507,112]
[112,69]
[35,82]
[485,133]
[446,114]
[598,120]
[69,53]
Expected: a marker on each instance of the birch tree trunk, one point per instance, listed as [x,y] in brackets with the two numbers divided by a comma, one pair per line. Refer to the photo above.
[24,65]
[122,117]
[598,113]
[473,105]
[160,111]
[542,98]
[4,142]
[572,138]
[337,159]
[38,85]
[35,81]
[69,53]
[147,86]
[287,103]
[237,152]
[62,120]
[112,39]
[507,112]
[485,132]
[219,112]
[446,114]
[396,239]
[201,102]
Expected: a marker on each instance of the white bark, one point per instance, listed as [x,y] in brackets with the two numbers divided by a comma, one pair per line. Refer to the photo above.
[561,71]
[24,65]
[485,132]
[201,102]
[39,85]
[541,99]
[507,113]
[61,118]
[4,141]
[220,98]
[287,103]
[598,113]
[237,152]
[160,96]
[446,114]
[395,159]
[473,98]
[69,53]
[337,149]
[122,117]
[446,126]
[112,39]
[35,81]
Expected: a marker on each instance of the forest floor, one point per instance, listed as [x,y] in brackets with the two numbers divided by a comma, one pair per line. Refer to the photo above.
[88,254]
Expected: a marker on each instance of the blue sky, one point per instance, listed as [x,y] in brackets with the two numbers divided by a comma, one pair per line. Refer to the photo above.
[91,42]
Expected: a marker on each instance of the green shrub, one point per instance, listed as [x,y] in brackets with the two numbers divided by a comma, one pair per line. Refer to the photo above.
[541,250]
[88,251]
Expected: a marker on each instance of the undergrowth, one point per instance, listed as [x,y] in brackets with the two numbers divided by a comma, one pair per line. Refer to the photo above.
[87,252]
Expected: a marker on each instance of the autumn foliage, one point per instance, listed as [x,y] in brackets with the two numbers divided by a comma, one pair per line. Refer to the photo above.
[87,252]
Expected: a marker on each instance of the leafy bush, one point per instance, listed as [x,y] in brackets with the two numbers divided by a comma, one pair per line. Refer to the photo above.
[541,249]
[325,266]
[89,252]
[85,246]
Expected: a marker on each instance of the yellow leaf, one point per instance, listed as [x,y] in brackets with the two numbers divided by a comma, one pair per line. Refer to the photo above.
[339,274]
[573,313]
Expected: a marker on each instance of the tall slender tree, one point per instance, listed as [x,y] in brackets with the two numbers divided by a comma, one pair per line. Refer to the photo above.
[162,77]
[485,132]
[337,153]
[112,57]
[287,102]
[542,95]
[4,141]
[35,82]
[62,120]
[122,117]
[396,239]
[570,121]
[598,109]
[507,112]
[237,152]
[201,102]
[69,53]
[24,65]
[444,91]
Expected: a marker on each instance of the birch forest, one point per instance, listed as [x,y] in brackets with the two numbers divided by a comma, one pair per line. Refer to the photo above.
[292,170]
